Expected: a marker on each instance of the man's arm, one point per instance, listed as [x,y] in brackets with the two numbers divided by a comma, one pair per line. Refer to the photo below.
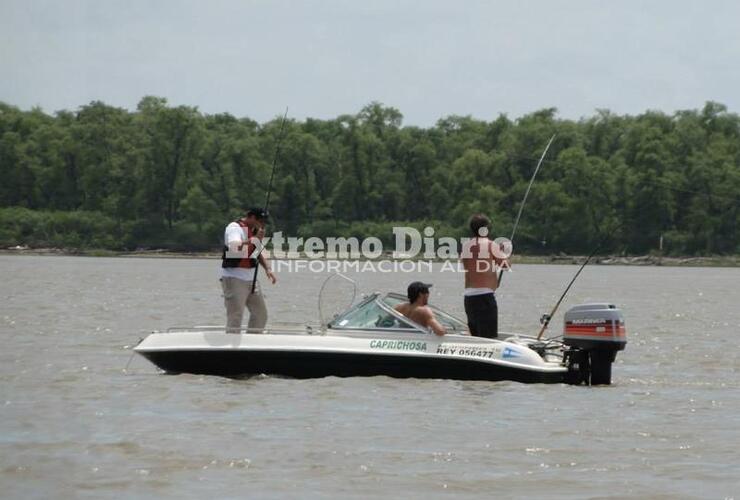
[256,240]
[436,327]
[501,262]
[431,322]
[263,260]
[498,262]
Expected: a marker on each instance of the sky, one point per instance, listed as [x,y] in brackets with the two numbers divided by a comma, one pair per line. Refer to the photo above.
[321,59]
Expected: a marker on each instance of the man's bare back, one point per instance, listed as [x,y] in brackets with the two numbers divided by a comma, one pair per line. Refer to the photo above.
[419,314]
[480,264]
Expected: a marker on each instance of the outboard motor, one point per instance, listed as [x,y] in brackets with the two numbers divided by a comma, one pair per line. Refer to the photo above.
[594,333]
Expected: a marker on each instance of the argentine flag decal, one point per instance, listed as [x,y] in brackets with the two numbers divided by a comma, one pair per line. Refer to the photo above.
[510,353]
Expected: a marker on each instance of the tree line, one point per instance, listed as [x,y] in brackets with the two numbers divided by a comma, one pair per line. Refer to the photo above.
[171,177]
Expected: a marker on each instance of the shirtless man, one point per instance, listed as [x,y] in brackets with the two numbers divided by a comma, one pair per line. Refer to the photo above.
[481,281]
[416,309]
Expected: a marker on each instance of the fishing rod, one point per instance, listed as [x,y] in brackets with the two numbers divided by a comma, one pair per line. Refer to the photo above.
[269,191]
[524,201]
[547,317]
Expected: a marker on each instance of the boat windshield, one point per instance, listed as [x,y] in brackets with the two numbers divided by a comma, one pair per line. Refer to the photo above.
[451,323]
[374,314]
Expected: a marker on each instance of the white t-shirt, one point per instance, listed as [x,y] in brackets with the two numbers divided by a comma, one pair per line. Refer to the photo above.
[235,234]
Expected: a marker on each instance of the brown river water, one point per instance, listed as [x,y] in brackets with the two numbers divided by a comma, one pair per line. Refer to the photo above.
[75,423]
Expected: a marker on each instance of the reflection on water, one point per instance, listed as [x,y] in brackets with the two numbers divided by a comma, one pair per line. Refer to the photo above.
[75,424]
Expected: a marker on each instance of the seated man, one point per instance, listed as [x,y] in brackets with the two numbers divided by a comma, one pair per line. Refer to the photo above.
[416,309]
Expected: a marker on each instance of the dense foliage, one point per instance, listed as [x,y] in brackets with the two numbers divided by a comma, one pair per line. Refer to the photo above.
[171,177]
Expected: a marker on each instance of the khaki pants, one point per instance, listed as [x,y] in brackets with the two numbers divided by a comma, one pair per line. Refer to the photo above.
[237,295]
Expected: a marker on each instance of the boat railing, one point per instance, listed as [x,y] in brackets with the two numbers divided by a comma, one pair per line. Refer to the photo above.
[283,328]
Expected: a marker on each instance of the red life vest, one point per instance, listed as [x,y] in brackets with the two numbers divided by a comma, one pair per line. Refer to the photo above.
[245,262]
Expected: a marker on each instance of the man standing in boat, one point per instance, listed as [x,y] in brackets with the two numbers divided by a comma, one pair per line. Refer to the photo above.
[416,309]
[481,280]
[238,270]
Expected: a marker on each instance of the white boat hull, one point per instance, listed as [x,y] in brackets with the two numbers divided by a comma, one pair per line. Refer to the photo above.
[350,353]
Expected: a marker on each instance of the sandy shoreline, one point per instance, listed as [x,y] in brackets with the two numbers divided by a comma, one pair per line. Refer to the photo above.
[640,260]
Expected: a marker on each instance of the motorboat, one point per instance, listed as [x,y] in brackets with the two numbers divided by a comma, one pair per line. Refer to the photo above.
[371,338]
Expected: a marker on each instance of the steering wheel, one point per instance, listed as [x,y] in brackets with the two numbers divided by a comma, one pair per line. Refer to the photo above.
[385,322]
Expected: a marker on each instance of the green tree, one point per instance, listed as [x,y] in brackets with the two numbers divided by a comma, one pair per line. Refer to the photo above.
[172,145]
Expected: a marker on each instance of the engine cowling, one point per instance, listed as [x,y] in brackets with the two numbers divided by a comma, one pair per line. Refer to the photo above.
[595,332]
